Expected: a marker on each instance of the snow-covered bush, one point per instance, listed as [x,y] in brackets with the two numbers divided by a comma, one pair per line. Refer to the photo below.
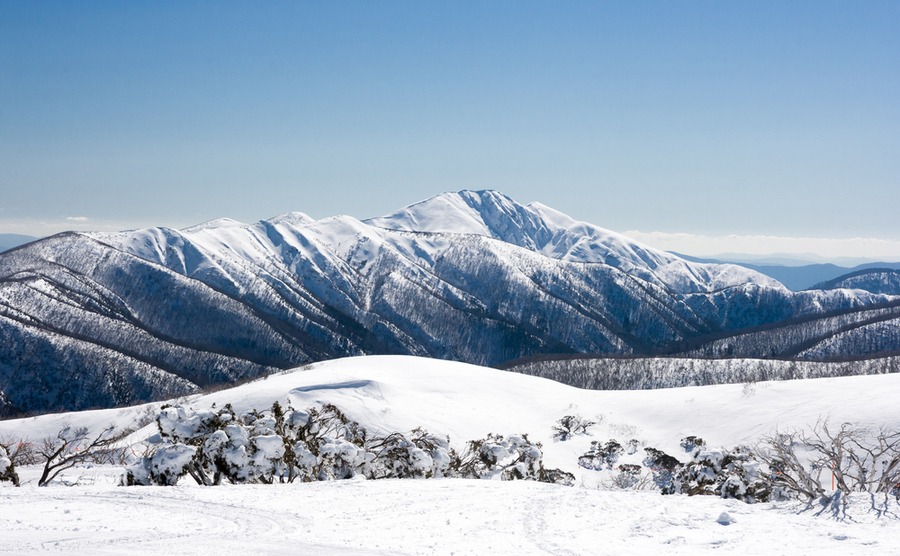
[319,444]
[169,463]
[212,445]
[571,425]
[322,444]
[422,456]
[718,472]
[510,458]
[664,468]
[729,474]
[691,443]
[7,469]
[601,455]
[629,476]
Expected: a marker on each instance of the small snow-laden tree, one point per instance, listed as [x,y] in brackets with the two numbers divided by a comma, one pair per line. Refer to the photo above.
[570,425]
[239,448]
[207,431]
[601,455]
[339,459]
[268,457]
[319,444]
[183,424]
[664,468]
[255,450]
[729,474]
[419,456]
[630,476]
[510,458]
[790,470]
[190,443]
[164,465]
[7,469]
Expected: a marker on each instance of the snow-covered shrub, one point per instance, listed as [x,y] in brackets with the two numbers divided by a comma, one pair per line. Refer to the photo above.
[570,425]
[323,444]
[318,444]
[601,455]
[664,468]
[339,459]
[629,476]
[211,445]
[690,444]
[632,446]
[170,463]
[510,458]
[7,469]
[729,474]
[164,466]
[556,476]
[421,456]
[182,424]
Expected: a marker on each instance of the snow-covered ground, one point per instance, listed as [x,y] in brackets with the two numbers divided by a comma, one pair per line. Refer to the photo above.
[416,517]
[445,516]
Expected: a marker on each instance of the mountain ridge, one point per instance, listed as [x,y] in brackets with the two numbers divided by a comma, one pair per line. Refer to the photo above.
[222,301]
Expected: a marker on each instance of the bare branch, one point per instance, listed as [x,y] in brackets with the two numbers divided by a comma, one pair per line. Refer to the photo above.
[72,447]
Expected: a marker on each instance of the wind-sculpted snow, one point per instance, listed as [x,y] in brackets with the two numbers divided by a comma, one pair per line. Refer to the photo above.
[469,276]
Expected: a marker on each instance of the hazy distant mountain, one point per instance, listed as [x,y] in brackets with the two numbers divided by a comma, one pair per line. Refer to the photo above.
[8,241]
[798,277]
[471,276]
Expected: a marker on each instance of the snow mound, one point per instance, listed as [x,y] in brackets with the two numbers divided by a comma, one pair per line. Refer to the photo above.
[466,402]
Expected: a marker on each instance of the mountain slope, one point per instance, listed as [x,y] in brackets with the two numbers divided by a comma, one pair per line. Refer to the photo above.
[469,276]
[874,280]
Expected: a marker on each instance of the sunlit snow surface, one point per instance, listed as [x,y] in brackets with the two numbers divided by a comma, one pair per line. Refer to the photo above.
[416,517]
[462,516]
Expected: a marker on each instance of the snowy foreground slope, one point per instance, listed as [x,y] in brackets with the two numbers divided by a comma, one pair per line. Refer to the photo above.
[445,516]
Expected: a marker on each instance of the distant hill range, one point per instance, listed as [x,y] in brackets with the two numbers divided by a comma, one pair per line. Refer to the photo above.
[103,319]
[803,276]
[875,280]
[8,241]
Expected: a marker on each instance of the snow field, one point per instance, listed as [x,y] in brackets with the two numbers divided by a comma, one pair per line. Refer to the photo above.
[417,517]
[462,516]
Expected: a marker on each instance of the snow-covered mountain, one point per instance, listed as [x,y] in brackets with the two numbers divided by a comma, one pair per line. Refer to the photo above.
[875,280]
[470,276]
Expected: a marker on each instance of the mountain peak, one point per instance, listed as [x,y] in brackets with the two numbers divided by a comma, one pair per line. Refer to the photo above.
[296,219]
[483,212]
[213,224]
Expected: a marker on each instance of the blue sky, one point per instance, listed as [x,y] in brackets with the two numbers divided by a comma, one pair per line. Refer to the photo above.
[700,118]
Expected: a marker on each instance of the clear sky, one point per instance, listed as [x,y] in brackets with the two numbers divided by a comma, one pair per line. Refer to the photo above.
[698,118]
